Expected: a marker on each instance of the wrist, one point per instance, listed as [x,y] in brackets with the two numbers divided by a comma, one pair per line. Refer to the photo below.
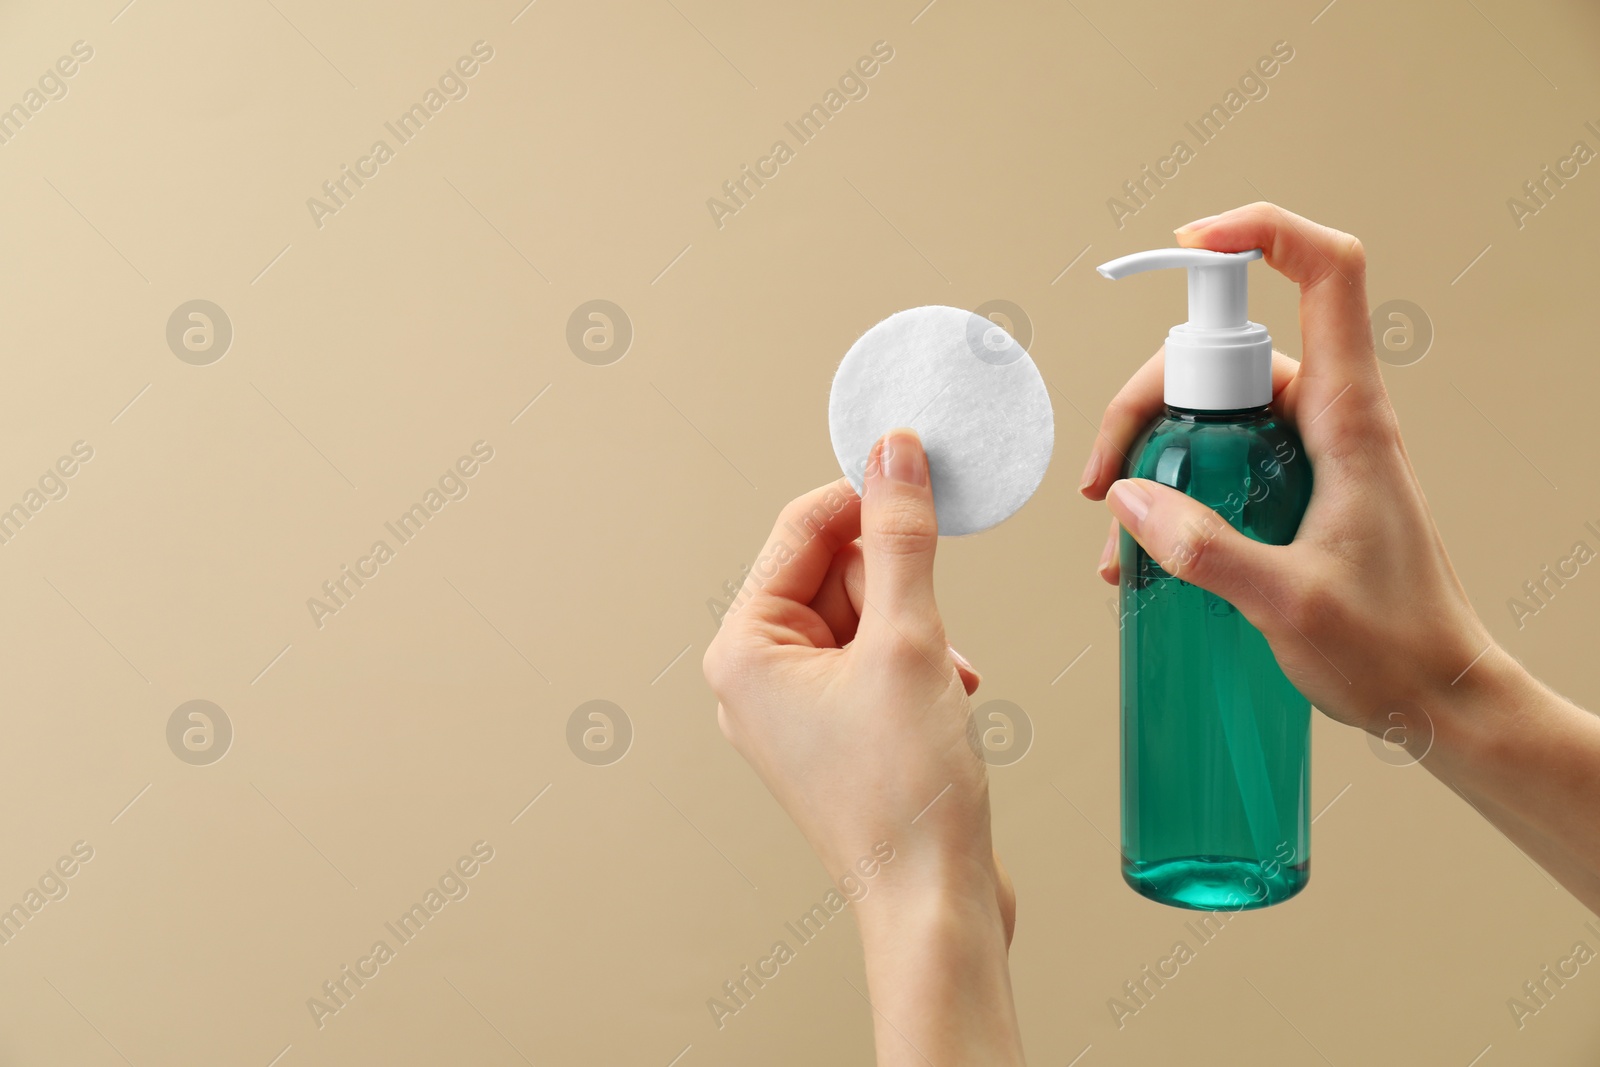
[1471,719]
[937,973]
[905,915]
[925,889]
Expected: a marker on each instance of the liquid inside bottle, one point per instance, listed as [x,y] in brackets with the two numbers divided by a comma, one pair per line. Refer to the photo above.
[1216,766]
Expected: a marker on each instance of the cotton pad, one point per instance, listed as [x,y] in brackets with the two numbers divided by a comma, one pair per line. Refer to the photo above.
[972,394]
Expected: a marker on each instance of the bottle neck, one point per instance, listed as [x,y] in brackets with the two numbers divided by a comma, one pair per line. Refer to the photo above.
[1238,415]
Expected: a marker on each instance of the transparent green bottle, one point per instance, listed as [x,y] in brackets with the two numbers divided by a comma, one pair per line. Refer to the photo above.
[1216,759]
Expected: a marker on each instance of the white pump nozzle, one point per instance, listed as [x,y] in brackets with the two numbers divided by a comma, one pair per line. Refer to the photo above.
[1219,360]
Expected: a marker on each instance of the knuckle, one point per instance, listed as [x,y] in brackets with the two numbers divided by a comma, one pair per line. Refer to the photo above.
[1274,215]
[1371,440]
[1352,253]
[725,722]
[1386,428]
[916,646]
[719,666]
[1311,606]
[905,528]
[798,512]
[711,666]
[1121,410]
[1193,554]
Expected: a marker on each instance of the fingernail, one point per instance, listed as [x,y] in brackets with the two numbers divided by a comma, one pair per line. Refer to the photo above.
[960,659]
[874,466]
[1106,553]
[903,460]
[1091,470]
[1133,500]
[1197,224]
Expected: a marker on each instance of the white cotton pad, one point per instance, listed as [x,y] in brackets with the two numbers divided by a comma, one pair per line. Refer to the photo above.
[972,394]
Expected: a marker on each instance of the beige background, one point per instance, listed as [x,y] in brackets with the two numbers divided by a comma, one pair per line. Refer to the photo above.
[370,353]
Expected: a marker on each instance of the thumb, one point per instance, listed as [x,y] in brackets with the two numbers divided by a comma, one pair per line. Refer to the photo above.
[899,532]
[1190,541]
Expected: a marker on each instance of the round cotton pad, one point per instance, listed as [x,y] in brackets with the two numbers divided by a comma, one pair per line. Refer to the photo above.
[972,394]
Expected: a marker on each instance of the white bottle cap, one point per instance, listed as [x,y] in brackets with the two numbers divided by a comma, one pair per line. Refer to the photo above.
[1219,360]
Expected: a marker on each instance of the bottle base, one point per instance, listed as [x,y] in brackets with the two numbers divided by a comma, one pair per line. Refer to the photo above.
[1215,883]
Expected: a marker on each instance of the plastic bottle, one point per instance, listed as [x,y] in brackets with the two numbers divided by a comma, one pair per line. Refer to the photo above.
[1216,757]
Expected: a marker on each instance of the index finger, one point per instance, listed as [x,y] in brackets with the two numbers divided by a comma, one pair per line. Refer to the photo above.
[1331,269]
[810,531]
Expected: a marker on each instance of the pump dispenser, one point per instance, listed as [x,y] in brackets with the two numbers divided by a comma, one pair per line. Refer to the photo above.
[1219,360]
[1215,739]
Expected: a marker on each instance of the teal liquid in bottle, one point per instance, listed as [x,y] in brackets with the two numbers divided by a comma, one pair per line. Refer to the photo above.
[1216,759]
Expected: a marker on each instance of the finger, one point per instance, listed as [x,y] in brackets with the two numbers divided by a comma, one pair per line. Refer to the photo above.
[1007,896]
[1110,566]
[810,531]
[1133,408]
[1331,269]
[899,532]
[970,678]
[838,601]
[1130,411]
[841,598]
[855,578]
[1190,541]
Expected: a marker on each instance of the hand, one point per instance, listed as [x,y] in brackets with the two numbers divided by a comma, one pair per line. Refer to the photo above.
[1363,609]
[836,683]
